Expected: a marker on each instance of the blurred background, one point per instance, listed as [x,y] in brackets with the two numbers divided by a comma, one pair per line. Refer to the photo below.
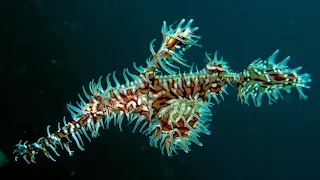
[49,49]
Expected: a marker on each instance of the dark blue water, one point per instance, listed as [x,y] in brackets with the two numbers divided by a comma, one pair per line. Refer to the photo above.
[49,49]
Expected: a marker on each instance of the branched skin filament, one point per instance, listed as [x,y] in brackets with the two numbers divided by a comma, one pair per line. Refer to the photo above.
[170,107]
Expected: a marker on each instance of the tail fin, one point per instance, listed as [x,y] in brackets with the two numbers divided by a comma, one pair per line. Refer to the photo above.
[265,77]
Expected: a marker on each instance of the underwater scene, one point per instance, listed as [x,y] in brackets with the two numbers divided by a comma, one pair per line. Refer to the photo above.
[170,90]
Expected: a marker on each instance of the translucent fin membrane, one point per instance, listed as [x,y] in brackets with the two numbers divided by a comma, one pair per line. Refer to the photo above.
[265,77]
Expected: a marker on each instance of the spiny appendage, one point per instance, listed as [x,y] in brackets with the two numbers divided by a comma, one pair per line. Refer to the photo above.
[88,125]
[87,116]
[28,151]
[219,68]
[216,65]
[179,124]
[175,42]
[99,108]
[197,83]
[266,77]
